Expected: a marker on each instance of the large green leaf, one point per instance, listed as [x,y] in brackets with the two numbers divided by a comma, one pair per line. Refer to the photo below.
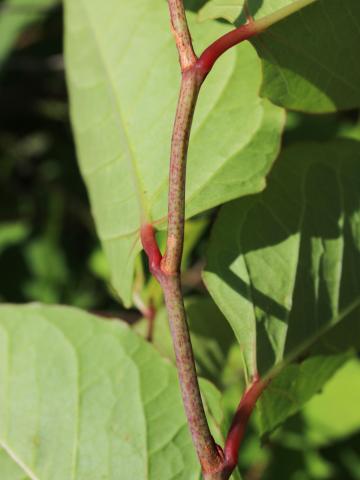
[123,78]
[84,398]
[310,59]
[284,264]
[15,15]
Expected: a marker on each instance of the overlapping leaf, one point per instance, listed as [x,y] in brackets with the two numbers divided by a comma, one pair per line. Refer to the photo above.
[123,78]
[83,398]
[211,337]
[310,59]
[295,386]
[284,264]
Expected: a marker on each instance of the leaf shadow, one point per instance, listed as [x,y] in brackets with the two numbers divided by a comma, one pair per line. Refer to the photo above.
[310,200]
[317,55]
[253,6]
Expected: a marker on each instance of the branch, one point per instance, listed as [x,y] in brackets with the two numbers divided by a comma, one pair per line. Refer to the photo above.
[208,452]
[167,269]
[240,421]
[216,464]
[179,146]
[181,33]
[244,32]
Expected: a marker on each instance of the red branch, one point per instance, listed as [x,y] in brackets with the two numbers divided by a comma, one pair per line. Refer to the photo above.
[230,39]
[240,421]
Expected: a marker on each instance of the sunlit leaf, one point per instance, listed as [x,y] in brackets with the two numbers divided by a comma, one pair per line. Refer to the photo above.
[123,88]
[85,398]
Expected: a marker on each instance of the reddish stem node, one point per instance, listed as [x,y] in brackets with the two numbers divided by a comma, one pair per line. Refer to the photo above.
[151,248]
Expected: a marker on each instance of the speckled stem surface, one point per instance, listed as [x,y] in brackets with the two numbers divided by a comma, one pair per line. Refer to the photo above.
[216,464]
[179,146]
[180,30]
[206,448]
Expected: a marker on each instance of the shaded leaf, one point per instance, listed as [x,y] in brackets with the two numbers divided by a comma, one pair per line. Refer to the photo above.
[283,264]
[310,58]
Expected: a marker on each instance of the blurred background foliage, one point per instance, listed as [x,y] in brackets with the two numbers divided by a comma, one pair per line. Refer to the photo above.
[49,251]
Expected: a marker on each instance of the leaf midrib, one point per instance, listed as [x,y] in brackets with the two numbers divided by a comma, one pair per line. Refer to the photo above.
[27,470]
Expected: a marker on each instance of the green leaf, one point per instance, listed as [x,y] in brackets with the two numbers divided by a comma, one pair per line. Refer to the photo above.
[295,385]
[310,58]
[123,89]
[335,413]
[228,9]
[235,12]
[283,265]
[15,16]
[194,229]
[9,469]
[84,398]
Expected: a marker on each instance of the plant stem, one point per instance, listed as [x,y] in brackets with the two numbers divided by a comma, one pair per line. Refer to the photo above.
[216,464]
[181,33]
[206,448]
[176,198]
[209,454]
[238,426]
